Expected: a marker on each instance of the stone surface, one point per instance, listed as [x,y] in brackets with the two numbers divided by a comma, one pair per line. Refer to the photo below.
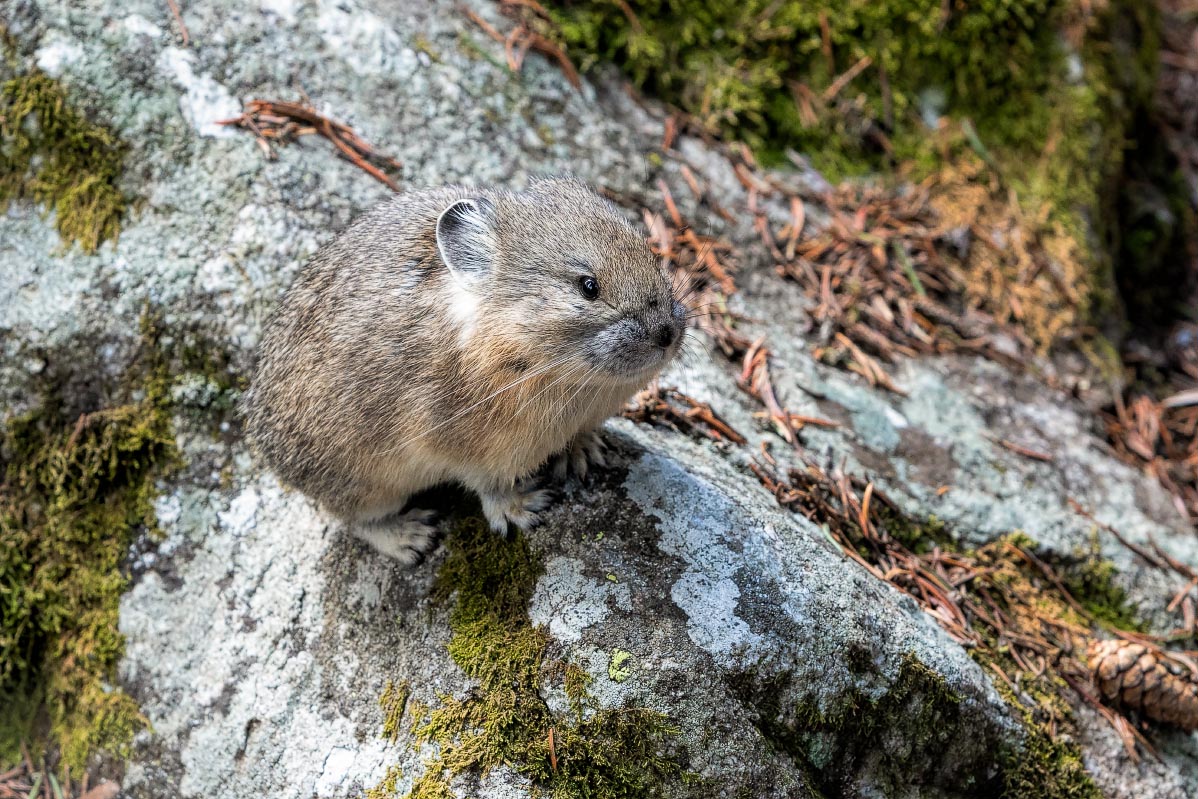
[260,637]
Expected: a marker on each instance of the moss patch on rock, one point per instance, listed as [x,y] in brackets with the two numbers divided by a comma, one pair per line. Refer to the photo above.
[1022,108]
[1090,579]
[76,490]
[1045,767]
[590,751]
[53,155]
[896,736]
[78,480]
[387,787]
[767,72]
[1065,608]
[393,703]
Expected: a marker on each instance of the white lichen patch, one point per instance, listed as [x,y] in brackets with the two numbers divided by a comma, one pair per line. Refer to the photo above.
[139,25]
[710,606]
[222,646]
[693,518]
[204,102]
[567,601]
[286,10]
[57,54]
[363,39]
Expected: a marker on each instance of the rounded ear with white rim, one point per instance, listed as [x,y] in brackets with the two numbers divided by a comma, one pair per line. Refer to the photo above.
[466,238]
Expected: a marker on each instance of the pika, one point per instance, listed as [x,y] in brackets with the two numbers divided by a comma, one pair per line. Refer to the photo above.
[462,335]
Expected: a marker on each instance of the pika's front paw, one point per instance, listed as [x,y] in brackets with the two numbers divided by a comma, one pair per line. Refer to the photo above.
[406,537]
[584,452]
[519,506]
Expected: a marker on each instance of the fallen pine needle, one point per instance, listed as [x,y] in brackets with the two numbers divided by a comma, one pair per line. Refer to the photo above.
[273,121]
[1022,450]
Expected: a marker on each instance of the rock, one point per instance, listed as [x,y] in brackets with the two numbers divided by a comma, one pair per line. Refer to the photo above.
[259,637]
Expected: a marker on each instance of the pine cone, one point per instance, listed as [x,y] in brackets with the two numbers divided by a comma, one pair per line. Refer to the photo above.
[1134,677]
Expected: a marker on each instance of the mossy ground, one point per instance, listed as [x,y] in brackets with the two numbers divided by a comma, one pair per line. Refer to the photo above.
[590,752]
[53,155]
[763,71]
[1065,614]
[1020,111]
[1090,579]
[1047,765]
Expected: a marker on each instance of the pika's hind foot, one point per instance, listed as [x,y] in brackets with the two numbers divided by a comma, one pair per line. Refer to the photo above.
[517,505]
[406,537]
[585,451]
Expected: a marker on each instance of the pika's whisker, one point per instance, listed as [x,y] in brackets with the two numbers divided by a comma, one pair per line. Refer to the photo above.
[565,405]
[455,391]
[469,408]
[564,376]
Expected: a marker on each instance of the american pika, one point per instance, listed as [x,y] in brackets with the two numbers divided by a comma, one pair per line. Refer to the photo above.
[458,335]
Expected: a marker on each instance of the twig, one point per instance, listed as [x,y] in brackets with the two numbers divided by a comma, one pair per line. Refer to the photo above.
[273,120]
[844,80]
[1022,450]
[179,21]
[487,27]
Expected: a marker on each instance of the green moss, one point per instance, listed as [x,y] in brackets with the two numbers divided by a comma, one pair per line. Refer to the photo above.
[487,576]
[387,787]
[392,702]
[1090,579]
[431,785]
[999,72]
[1044,765]
[919,536]
[1045,768]
[833,743]
[575,683]
[594,753]
[742,67]
[51,154]
[77,484]
[76,490]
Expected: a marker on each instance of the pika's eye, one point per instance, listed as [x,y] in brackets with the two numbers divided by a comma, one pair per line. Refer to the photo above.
[589,287]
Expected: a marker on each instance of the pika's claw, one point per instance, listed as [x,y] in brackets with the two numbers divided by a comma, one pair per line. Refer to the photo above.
[584,451]
[518,506]
[406,537]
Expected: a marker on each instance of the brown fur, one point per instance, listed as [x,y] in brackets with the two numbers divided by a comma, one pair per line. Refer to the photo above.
[375,380]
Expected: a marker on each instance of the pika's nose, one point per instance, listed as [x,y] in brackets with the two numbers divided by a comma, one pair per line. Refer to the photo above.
[664,335]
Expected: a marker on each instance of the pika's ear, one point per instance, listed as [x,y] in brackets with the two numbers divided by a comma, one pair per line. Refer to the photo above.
[466,237]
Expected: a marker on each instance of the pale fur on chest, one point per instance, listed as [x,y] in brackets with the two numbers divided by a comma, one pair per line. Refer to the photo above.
[507,436]
[517,435]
